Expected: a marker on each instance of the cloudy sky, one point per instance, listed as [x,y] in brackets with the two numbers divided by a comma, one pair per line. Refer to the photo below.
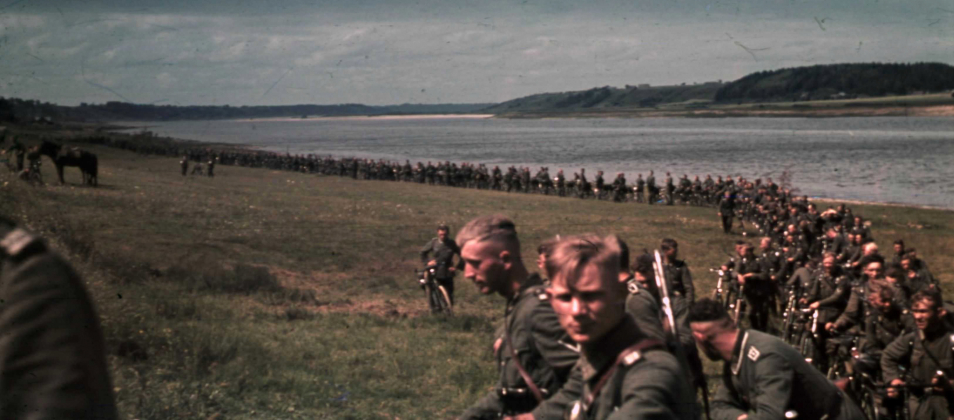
[253,52]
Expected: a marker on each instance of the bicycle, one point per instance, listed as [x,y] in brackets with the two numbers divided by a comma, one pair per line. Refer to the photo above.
[437,297]
[32,174]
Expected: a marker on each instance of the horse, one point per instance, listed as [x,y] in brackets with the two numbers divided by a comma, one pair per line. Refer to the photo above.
[86,161]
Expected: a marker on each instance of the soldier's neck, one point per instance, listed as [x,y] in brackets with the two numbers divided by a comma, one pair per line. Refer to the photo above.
[518,275]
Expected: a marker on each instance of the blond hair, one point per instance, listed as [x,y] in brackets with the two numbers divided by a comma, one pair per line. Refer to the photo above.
[571,255]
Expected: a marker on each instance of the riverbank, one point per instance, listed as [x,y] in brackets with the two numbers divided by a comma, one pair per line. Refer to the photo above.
[933,105]
[273,294]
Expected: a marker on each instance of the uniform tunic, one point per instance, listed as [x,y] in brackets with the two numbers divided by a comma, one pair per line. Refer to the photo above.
[912,348]
[544,350]
[647,384]
[52,355]
[767,377]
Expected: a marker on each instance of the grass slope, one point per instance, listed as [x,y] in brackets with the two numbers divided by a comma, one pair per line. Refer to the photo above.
[267,294]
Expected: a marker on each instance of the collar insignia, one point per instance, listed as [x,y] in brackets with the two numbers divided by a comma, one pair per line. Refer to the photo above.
[632,358]
[754,354]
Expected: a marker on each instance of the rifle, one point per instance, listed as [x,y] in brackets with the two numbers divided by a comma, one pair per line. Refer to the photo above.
[663,285]
[739,301]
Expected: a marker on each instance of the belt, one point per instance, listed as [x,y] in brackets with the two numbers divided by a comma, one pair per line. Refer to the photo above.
[518,392]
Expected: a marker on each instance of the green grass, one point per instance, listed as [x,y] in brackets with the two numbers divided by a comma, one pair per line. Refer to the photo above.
[267,294]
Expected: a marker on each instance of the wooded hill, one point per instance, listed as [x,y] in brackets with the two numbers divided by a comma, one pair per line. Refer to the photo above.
[821,82]
[838,81]
[643,96]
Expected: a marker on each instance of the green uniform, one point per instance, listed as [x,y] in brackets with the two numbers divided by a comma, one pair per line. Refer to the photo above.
[544,350]
[646,383]
[924,354]
[52,355]
[643,307]
[767,377]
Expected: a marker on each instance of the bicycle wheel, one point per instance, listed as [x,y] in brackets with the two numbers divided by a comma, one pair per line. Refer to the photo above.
[443,299]
[868,405]
[807,348]
[429,294]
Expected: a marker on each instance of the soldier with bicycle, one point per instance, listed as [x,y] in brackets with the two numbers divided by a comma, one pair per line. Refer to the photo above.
[443,250]
[929,355]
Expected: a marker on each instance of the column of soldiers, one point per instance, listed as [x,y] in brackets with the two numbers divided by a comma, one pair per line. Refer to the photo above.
[851,312]
[744,195]
[829,328]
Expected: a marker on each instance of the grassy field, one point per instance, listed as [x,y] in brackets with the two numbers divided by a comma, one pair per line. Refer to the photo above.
[267,294]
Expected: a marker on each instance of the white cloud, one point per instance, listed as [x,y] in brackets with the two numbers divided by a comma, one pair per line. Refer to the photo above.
[482,52]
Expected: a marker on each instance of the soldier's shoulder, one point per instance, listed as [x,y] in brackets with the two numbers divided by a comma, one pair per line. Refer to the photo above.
[663,365]
[18,243]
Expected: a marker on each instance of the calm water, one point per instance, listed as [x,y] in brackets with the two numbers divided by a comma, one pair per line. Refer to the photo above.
[884,159]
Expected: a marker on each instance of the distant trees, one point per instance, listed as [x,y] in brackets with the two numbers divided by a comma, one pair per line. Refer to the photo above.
[823,81]
[14,109]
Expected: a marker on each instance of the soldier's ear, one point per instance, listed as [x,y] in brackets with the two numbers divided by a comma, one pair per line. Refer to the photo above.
[506,258]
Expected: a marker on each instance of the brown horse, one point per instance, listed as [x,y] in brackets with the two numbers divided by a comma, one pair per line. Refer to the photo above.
[86,161]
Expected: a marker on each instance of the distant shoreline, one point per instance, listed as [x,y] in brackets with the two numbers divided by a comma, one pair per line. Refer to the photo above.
[762,111]
[371,117]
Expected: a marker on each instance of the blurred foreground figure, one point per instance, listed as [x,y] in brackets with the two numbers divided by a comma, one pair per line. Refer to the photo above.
[52,356]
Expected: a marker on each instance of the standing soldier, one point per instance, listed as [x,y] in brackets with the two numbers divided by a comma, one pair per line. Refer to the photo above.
[930,360]
[600,185]
[582,185]
[561,183]
[211,165]
[621,373]
[640,186]
[651,188]
[535,354]
[829,297]
[727,211]
[19,152]
[52,354]
[670,189]
[619,188]
[758,290]
[762,376]
[443,250]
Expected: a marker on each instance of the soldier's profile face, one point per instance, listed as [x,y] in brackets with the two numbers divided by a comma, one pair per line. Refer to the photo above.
[483,266]
[589,307]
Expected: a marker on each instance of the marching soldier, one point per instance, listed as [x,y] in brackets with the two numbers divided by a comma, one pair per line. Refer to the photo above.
[443,250]
[670,189]
[929,357]
[621,373]
[763,377]
[52,354]
[651,188]
[640,186]
[535,354]
[211,166]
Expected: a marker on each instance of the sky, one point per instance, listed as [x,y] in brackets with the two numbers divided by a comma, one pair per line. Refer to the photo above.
[378,52]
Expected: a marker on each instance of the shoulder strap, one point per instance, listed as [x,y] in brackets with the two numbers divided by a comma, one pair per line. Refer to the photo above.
[16,242]
[628,356]
[516,362]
